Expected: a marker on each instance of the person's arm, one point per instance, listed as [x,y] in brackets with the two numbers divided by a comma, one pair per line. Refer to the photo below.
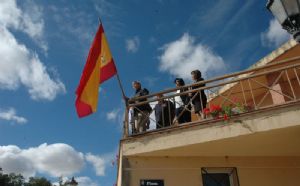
[144,92]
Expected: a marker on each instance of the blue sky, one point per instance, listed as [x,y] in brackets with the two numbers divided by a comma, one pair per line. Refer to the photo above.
[44,45]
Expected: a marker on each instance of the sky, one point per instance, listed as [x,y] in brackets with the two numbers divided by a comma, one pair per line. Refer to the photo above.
[43,49]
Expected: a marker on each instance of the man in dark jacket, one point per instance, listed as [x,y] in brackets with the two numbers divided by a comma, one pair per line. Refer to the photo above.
[140,112]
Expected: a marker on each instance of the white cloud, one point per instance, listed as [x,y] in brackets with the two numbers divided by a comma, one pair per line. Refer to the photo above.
[85,181]
[55,159]
[113,115]
[9,14]
[78,25]
[11,115]
[133,44]
[97,162]
[184,55]
[101,162]
[275,35]
[33,23]
[29,20]
[12,160]
[82,181]
[19,65]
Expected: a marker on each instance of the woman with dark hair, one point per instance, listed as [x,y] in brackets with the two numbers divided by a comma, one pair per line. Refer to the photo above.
[199,98]
[182,105]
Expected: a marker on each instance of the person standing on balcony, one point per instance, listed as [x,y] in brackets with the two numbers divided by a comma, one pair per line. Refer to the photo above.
[182,103]
[140,112]
[164,112]
[199,98]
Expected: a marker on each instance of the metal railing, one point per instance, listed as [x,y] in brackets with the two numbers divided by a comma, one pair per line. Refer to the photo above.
[267,86]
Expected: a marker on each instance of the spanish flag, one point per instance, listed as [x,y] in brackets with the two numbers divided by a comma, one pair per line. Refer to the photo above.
[99,67]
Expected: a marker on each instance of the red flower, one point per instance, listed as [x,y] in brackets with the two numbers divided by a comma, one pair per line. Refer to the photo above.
[206,111]
[225,117]
[215,108]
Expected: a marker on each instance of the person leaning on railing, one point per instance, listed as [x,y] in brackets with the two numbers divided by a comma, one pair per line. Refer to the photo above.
[141,112]
[164,112]
[199,98]
[182,103]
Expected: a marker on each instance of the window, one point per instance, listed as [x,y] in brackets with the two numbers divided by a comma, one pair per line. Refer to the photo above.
[213,176]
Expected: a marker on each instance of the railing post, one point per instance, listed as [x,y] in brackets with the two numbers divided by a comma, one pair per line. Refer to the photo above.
[169,111]
[243,91]
[252,94]
[126,122]
[288,78]
[295,70]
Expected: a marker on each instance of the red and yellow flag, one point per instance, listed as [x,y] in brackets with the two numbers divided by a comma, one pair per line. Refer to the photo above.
[99,67]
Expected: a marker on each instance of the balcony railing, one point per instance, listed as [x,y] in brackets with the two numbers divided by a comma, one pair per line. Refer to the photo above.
[230,95]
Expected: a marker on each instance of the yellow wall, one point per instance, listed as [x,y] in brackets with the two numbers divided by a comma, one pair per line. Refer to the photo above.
[186,171]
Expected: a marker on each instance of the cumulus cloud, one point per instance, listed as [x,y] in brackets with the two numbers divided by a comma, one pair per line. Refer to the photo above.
[12,160]
[11,115]
[9,14]
[56,160]
[28,20]
[85,181]
[133,44]
[49,159]
[184,55]
[97,162]
[19,65]
[274,36]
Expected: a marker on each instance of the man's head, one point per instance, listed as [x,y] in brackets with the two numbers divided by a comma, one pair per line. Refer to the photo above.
[136,85]
[196,74]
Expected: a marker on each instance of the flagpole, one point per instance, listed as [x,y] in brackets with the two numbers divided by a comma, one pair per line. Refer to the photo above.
[99,20]
[118,77]
[121,87]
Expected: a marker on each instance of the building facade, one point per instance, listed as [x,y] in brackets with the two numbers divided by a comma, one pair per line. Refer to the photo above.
[253,140]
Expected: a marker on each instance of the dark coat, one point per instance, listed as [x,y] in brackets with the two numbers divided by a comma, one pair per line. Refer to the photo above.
[197,100]
[185,98]
[164,113]
[144,107]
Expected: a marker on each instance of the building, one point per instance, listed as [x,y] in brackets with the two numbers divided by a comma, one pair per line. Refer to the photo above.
[259,144]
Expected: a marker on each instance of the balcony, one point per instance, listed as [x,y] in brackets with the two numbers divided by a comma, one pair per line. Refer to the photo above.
[261,88]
